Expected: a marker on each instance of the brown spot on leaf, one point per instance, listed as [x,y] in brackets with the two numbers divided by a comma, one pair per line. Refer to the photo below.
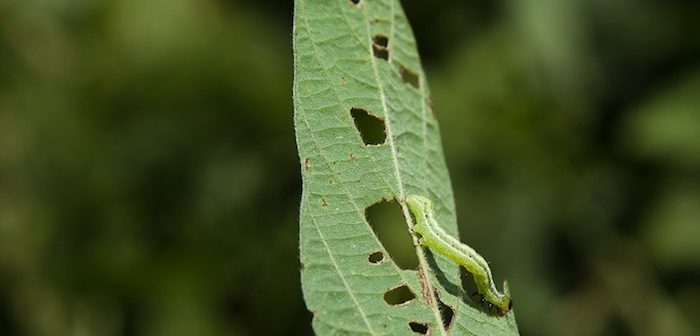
[324,203]
[307,164]
[429,103]
[426,287]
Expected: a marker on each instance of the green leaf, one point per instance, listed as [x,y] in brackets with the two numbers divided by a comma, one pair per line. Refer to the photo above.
[357,57]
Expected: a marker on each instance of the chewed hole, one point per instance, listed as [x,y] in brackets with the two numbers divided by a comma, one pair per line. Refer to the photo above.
[380,47]
[419,328]
[409,77]
[355,2]
[399,295]
[376,257]
[381,41]
[372,129]
[446,312]
[469,287]
[386,219]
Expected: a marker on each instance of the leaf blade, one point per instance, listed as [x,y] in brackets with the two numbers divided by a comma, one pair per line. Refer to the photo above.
[337,68]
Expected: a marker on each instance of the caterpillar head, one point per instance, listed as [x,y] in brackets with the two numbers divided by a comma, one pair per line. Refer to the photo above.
[419,203]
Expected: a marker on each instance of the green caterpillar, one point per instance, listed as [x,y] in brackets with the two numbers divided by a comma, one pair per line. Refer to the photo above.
[430,234]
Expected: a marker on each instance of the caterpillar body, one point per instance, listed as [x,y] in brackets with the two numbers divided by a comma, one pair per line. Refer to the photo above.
[431,235]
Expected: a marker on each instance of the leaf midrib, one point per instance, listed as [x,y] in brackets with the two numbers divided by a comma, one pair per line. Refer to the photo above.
[422,262]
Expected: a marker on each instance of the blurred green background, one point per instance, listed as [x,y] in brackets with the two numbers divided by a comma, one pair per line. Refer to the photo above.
[149,180]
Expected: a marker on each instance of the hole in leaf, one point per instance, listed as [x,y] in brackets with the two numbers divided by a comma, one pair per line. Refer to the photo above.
[376,257]
[409,77]
[446,312]
[371,128]
[355,2]
[469,286]
[380,47]
[419,328]
[399,295]
[381,41]
[386,219]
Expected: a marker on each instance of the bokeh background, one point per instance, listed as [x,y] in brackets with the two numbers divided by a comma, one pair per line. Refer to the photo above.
[149,181]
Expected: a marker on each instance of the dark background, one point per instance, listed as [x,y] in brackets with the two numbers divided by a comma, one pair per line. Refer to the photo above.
[149,181]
